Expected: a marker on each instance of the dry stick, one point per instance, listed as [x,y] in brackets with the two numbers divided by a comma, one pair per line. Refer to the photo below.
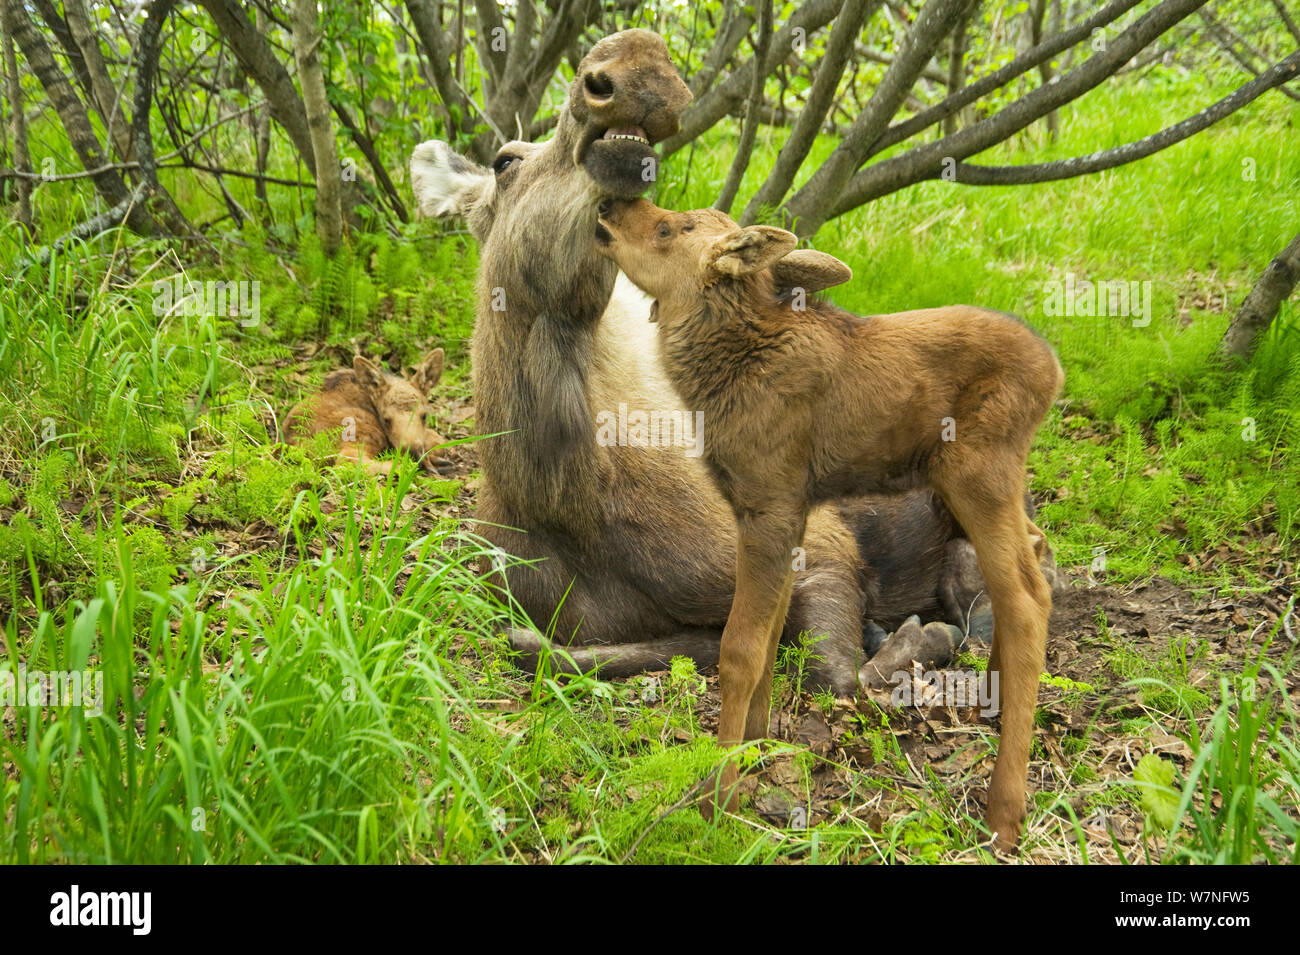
[737,19]
[749,131]
[258,59]
[157,198]
[957,62]
[924,162]
[367,147]
[1278,74]
[1045,71]
[108,219]
[166,157]
[450,95]
[692,794]
[813,115]
[238,173]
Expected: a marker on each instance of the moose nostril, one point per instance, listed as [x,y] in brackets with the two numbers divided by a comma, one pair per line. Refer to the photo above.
[603,209]
[598,85]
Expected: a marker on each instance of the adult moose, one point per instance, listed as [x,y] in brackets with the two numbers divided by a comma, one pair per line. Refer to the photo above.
[629,551]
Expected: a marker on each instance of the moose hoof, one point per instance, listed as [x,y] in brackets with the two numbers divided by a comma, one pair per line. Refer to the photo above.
[523,640]
[873,637]
[979,625]
[931,646]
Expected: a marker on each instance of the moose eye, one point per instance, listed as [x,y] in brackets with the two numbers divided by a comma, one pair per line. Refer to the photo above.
[502,163]
[664,231]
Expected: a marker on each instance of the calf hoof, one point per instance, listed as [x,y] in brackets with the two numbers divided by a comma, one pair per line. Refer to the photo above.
[1005,822]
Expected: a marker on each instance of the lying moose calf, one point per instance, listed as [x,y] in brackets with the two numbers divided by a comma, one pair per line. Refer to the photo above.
[377,411]
[805,402]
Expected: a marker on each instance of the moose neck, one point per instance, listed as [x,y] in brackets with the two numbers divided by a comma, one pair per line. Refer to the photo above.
[539,307]
[715,346]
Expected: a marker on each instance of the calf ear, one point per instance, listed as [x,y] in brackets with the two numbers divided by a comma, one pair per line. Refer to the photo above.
[810,271]
[369,375]
[445,183]
[748,250]
[430,371]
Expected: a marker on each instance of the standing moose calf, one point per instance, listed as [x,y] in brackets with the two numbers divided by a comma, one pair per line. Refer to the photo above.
[805,404]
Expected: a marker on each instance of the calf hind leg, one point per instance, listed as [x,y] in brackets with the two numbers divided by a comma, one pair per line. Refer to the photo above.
[989,508]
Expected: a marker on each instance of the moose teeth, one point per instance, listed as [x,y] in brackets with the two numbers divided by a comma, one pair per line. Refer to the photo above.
[635,139]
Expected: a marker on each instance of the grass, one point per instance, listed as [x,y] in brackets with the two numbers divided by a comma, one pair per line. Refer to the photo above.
[297,666]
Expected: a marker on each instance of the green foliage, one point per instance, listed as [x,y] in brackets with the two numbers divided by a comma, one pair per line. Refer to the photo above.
[342,693]
[1155,779]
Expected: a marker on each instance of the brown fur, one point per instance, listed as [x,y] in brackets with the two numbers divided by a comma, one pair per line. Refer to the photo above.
[806,404]
[629,553]
[377,411]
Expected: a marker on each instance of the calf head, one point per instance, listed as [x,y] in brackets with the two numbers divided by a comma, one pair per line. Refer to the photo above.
[402,406]
[675,257]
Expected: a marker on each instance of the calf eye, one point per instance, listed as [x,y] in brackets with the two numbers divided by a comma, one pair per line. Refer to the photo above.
[664,231]
[502,163]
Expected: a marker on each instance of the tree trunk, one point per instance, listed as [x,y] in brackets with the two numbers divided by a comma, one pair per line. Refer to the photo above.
[17,122]
[76,123]
[108,100]
[1262,304]
[259,61]
[329,209]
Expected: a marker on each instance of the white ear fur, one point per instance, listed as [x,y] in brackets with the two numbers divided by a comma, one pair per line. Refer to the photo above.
[444,182]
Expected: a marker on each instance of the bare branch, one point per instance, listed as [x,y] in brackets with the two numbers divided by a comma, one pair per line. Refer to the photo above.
[935,21]
[1280,73]
[724,97]
[999,78]
[813,115]
[925,162]
[749,131]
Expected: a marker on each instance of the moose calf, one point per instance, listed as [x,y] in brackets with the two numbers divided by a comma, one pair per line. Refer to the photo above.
[377,411]
[804,402]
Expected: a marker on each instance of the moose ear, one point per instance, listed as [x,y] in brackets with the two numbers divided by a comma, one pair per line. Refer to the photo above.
[748,250]
[369,375]
[809,270]
[430,371]
[445,183]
